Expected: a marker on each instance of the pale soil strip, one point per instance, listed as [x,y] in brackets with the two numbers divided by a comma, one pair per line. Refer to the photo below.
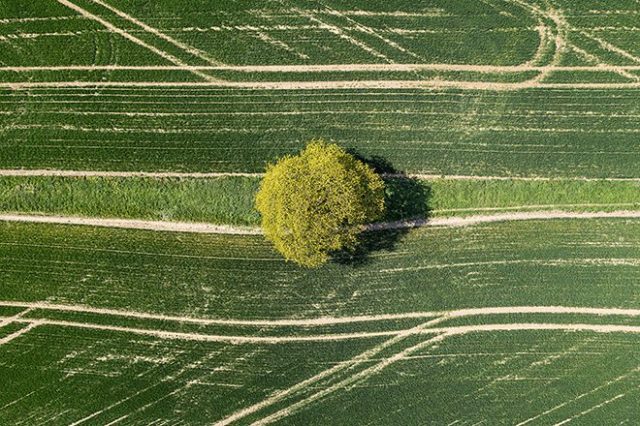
[368,30]
[32,324]
[541,262]
[348,381]
[207,228]
[608,46]
[422,176]
[340,33]
[312,322]
[131,38]
[442,333]
[325,321]
[92,173]
[325,85]
[13,318]
[359,359]
[266,38]
[199,228]
[456,222]
[595,407]
[37,19]
[560,39]
[189,49]
[485,69]
[596,389]
[535,206]
[198,337]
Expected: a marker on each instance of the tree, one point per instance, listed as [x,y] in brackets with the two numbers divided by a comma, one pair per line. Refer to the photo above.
[316,202]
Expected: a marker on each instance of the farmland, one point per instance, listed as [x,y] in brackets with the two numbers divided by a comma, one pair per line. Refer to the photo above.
[500,288]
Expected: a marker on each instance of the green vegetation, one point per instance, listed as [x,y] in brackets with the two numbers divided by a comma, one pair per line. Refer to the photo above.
[314,203]
[548,263]
[455,132]
[221,200]
[567,124]
[562,262]
[230,200]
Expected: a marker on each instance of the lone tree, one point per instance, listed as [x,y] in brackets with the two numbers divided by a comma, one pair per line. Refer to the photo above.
[314,203]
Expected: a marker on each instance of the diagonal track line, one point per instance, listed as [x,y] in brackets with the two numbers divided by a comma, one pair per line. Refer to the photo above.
[189,49]
[297,388]
[132,38]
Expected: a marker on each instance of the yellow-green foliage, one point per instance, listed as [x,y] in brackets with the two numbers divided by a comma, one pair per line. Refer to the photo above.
[314,203]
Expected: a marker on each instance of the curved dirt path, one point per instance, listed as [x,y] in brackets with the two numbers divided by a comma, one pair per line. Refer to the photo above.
[207,228]
[321,321]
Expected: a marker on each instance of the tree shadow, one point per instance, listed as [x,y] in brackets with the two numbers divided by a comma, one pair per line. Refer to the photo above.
[406,199]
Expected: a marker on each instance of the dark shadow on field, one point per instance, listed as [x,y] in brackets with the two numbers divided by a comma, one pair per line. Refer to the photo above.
[406,198]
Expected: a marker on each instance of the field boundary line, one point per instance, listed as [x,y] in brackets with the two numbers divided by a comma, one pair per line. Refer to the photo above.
[208,228]
[149,225]
[98,173]
[202,337]
[485,69]
[311,322]
[325,321]
[422,176]
[169,57]
[325,85]
[189,49]
[458,222]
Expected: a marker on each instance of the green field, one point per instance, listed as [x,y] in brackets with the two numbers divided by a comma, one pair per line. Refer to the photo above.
[472,110]
[559,263]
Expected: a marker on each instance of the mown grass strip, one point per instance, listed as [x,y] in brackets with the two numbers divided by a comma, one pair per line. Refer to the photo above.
[229,200]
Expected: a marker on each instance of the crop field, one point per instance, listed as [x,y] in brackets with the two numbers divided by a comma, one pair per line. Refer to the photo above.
[501,287]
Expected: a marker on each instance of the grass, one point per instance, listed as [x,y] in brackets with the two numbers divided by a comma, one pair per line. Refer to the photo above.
[229,200]
[221,200]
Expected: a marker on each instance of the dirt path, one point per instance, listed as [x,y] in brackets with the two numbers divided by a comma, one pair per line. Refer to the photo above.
[207,228]
[198,228]
[97,173]
[457,222]
[326,85]
[323,321]
[489,69]
[422,176]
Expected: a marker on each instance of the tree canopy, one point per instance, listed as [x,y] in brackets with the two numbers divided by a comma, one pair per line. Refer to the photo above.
[314,203]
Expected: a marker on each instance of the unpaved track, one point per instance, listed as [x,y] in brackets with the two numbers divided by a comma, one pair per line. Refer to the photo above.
[326,85]
[198,228]
[457,222]
[423,176]
[207,228]
[489,69]
[324,321]
[92,173]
